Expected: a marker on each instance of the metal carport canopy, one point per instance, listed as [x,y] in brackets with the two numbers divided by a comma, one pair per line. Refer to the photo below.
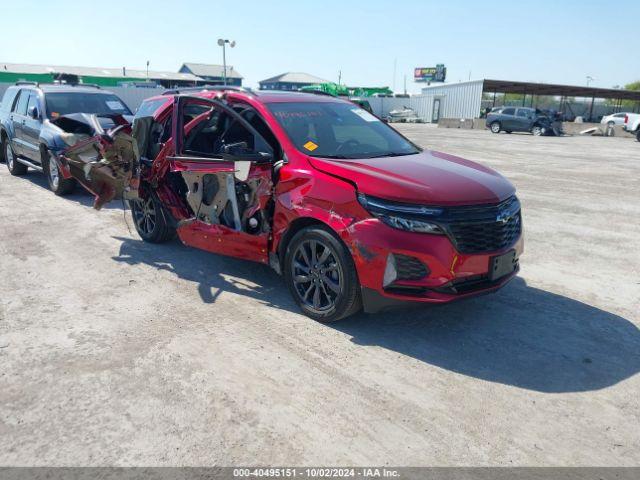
[503,86]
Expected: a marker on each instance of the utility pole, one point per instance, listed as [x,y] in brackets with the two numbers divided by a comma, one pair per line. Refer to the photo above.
[147,70]
[223,42]
[339,76]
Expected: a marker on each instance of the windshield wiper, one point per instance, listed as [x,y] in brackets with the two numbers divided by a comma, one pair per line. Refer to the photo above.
[365,156]
[392,154]
[337,157]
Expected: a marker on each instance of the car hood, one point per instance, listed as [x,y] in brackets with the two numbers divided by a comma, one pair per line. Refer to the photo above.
[429,177]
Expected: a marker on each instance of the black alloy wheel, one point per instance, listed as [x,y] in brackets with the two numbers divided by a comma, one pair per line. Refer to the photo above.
[321,275]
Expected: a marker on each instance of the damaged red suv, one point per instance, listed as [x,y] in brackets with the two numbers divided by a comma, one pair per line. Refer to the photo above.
[349,211]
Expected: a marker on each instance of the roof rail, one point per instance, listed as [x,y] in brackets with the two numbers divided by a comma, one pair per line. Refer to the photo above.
[37,84]
[221,88]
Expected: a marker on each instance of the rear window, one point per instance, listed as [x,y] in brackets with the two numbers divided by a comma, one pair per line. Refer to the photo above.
[148,108]
[65,103]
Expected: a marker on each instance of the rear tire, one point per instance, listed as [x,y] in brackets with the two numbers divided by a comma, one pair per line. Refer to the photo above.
[495,127]
[638,135]
[150,220]
[15,168]
[321,275]
[57,183]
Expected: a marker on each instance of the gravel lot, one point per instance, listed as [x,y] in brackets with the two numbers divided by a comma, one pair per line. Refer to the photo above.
[115,352]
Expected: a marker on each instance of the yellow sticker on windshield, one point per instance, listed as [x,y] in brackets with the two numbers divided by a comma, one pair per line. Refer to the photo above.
[310,146]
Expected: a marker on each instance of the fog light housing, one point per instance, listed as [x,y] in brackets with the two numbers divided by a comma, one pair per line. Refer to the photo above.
[410,268]
[390,271]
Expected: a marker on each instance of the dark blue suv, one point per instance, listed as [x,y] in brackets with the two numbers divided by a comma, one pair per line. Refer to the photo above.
[31,117]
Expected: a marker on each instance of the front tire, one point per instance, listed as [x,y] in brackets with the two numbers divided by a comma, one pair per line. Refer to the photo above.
[57,183]
[495,127]
[15,168]
[150,220]
[321,275]
[537,130]
[638,135]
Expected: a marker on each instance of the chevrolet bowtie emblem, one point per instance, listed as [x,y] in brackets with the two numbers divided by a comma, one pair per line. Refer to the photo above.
[503,217]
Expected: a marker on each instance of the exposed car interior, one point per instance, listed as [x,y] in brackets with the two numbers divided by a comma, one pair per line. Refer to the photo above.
[208,194]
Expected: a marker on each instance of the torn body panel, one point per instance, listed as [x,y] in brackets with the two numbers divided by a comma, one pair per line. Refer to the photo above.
[105,162]
[227,215]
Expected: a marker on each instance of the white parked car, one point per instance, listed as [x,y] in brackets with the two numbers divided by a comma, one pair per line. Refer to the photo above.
[615,119]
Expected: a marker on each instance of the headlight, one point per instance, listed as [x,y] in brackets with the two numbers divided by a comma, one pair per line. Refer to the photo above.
[411,218]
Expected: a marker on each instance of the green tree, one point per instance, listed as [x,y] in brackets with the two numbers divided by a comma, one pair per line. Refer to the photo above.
[635,86]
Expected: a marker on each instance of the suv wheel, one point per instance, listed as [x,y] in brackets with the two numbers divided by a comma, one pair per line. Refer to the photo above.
[321,276]
[57,183]
[537,130]
[638,135]
[150,220]
[15,168]
[495,127]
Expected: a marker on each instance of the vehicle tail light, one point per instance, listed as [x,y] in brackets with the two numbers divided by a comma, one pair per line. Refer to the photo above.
[626,119]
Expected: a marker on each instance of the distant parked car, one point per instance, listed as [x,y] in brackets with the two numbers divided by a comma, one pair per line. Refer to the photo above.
[518,119]
[614,119]
[31,117]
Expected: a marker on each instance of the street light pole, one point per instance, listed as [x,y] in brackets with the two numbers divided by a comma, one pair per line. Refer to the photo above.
[223,43]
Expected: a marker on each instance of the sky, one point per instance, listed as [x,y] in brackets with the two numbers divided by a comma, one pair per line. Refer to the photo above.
[561,41]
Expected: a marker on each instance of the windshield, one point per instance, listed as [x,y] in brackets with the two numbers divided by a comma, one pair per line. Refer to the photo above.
[339,130]
[64,103]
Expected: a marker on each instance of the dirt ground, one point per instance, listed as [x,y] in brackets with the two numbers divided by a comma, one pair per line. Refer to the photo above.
[116,352]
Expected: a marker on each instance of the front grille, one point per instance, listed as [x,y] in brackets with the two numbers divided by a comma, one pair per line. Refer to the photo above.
[409,268]
[486,228]
[486,237]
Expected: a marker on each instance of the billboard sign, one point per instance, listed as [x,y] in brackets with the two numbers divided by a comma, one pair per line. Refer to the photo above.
[430,74]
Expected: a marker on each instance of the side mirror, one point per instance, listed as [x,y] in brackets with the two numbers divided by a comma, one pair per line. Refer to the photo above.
[33,112]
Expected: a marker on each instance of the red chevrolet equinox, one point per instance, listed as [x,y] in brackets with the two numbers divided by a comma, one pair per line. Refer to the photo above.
[350,212]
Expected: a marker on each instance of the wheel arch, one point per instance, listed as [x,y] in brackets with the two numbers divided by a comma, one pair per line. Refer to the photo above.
[43,153]
[295,226]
